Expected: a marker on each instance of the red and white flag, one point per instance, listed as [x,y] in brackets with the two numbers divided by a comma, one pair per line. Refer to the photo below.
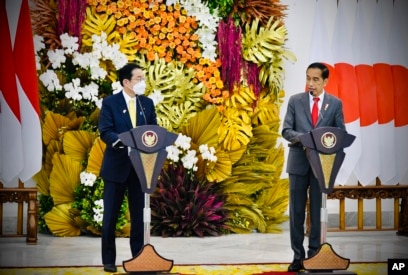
[20,147]
[368,166]
[398,45]
[344,61]
[385,91]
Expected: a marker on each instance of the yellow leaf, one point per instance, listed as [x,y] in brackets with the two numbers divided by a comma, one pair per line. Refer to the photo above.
[96,157]
[64,178]
[77,144]
[60,222]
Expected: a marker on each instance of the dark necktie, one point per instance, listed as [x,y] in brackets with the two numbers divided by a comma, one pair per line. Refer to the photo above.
[315,111]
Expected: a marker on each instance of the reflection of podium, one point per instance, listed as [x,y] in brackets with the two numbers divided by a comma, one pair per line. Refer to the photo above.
[324,150]
[147,151]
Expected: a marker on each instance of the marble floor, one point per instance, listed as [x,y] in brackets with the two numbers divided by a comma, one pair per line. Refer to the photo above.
[367,246]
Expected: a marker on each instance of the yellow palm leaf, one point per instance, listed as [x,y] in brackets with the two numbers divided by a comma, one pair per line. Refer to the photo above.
[96,157]
[42,182]
[54,146]
[266,111]
[77,144]
[60,222]
[236,155]
[55,125]
[64,178]
[220,170]
[203,127]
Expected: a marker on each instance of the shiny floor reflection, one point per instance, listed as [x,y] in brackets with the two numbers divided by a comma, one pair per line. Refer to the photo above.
[368,246]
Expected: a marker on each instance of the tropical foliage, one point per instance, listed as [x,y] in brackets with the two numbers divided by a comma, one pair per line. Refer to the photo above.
[214,70]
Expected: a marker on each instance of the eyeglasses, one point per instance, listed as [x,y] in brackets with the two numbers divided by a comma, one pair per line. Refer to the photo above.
[138,78]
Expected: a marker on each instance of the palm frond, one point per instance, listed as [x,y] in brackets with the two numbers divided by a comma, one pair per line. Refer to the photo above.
[55,125]
[202,128]
[42,182]
[77,144]
[54,146]
[64,178]
[60,222]
[96,156]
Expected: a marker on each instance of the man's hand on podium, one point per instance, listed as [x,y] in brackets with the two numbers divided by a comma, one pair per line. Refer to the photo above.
[118,144]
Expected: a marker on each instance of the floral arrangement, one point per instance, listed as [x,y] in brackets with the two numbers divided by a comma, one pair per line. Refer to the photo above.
[214,71]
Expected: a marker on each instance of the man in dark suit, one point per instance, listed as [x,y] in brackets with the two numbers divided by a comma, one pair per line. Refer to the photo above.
[117,171]
[298,121]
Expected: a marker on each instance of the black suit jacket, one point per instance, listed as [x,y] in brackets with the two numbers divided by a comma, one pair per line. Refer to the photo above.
[298,121]
[114,119]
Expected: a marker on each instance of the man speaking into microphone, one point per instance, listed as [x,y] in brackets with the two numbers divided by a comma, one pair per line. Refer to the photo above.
[305,112]
[120,113]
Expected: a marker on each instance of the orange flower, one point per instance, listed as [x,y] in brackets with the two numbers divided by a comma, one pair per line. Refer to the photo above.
[206,97]
[100,8]
[182,29]
[179,49]
[225,94]
[122,30]
[168,59]
[186,43]
[194,37]
[156,27]
[176,14]
[132,25]
[215,93]
[142,42]
[165,43]
[150,56]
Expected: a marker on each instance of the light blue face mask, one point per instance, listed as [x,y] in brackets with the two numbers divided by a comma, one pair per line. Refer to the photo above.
[139,88]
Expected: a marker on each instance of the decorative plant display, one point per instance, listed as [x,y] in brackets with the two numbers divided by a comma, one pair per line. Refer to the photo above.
[214,70]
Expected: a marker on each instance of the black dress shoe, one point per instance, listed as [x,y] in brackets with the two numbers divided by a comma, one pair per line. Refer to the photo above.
[295,266]
[109,267]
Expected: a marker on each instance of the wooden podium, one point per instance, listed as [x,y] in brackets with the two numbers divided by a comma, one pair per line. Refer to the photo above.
[324,150]
[147,151]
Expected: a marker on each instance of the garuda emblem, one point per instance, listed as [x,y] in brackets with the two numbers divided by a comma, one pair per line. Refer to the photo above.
[149,138]
[328,140]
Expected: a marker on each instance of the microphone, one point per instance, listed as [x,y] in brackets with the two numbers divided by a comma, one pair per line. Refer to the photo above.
[311,93]
[141,109]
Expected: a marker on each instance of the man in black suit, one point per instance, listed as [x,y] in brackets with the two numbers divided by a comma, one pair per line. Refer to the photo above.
[117,171]
[298,120]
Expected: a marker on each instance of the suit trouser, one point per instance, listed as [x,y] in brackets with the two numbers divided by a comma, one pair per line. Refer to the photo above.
[113,196]
[299,186]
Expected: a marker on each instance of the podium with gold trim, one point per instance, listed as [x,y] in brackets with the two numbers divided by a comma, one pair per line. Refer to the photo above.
[324,150]
[147,152]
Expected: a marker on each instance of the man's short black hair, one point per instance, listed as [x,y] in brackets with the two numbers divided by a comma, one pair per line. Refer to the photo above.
[322,67]
[126,72]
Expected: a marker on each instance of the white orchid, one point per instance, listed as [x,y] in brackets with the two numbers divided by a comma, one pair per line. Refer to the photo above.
[87,179]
